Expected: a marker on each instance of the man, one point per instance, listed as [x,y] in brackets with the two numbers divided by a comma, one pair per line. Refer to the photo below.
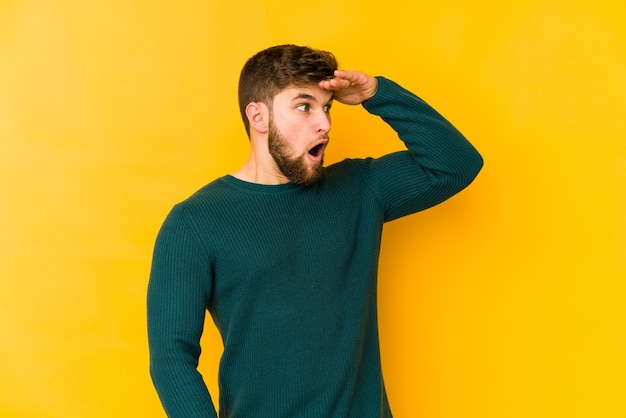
[283,253]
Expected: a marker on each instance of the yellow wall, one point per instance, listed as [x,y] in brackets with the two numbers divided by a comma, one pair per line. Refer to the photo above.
[506,301]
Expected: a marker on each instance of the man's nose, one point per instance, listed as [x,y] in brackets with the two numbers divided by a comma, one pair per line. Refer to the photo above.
[323,122]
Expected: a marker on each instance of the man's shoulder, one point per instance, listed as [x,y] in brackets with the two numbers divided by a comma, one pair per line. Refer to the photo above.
[348,169]
[211,193]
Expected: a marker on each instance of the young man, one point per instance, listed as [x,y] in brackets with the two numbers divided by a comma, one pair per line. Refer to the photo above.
[283,253]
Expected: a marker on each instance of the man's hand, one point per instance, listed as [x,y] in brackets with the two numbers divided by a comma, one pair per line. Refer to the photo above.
[350,87]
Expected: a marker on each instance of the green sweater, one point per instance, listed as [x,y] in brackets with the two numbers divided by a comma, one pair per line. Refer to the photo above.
[288,274]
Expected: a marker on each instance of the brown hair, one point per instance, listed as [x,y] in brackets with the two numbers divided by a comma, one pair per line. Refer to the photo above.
[276,68]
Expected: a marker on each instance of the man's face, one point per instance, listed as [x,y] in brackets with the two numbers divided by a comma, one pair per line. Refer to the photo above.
[298,132]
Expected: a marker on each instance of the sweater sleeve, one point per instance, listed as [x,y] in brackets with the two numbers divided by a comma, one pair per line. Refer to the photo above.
[439,161]
[178,291]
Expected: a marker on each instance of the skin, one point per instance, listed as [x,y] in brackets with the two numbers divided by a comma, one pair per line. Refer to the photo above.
[300,121]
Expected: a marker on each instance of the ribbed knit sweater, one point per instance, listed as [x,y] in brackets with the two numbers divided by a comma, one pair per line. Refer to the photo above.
[289,276]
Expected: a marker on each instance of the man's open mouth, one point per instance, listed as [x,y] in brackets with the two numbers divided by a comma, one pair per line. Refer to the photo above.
[317,150]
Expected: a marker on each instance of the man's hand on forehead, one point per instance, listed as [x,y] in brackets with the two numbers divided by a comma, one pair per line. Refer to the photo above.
[350,87]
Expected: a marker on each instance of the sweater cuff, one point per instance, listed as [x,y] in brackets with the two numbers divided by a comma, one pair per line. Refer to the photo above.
[384,85]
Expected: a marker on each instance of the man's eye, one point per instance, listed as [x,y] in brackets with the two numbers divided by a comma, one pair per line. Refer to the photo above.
[303,107]
[327,108]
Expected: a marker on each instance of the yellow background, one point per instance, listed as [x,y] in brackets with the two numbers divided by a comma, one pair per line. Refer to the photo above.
[507,301]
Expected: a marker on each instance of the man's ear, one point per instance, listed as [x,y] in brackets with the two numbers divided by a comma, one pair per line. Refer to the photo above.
[258,116]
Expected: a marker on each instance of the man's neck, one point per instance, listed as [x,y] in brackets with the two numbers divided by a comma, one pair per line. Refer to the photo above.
[260,170]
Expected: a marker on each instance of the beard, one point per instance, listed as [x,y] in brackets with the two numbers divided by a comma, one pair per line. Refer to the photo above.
[294,168]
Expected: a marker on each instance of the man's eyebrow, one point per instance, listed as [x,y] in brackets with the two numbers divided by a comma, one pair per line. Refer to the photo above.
[307,96]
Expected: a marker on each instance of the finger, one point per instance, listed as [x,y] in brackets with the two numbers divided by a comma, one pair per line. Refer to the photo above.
[355,77]
[335,84]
